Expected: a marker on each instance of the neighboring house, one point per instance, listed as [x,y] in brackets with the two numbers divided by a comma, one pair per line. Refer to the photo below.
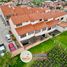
[21,1]
[54,4]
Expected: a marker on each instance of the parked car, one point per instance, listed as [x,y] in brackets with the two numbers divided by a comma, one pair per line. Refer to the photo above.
[11,47]
[8,37]
[2,49]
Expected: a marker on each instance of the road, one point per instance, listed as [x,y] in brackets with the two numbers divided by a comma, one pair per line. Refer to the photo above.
[3,31]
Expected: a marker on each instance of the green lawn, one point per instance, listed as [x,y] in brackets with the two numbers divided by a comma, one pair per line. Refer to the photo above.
[44,47]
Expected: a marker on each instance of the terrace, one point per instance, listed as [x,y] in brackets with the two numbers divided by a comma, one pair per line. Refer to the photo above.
[35,41]
[54,33]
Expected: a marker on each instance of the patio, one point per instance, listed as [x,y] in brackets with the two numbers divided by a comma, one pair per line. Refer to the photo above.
[54,33]
[35,40]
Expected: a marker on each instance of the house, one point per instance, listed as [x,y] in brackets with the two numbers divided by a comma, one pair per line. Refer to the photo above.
[7,11]
[36,25]
[32,24]
[21,1]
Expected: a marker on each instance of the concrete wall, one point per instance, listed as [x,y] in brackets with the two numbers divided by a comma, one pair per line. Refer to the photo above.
[27,37]
[61,29]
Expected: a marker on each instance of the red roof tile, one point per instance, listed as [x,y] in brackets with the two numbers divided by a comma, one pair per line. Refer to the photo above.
[39,26]
[63,24]
[25,29]
[52,23]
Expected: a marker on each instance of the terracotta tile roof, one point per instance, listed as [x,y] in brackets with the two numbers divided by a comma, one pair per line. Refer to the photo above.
[63,24]
[58,13]
[39,26]
[52,23]
[54,14]
[23,18]
[20,19]
[25,29]
[19,10]
[6,10]
[36,16]
[40,9]
[29,28]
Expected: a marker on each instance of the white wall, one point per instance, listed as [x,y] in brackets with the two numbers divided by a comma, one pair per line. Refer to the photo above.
[34,22]
[26,23]
[41,32]
[50,19]
[61,29]
[27,37]
[52,29]
[11,23]
[65,29]
[64,18]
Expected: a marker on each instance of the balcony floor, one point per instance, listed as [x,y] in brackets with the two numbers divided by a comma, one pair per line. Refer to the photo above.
[33,40]
[54,33]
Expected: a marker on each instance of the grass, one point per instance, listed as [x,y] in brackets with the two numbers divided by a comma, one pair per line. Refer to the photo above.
[44,47]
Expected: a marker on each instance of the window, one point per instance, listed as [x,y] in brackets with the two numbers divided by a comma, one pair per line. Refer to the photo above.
[43,29]
[37,31]
[40,19]
[62,18]
[23,35]
[30,32]
[19,24]
[45,20]
[7,17]
[49,28]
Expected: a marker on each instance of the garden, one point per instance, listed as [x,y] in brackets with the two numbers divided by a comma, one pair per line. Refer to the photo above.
[56,49]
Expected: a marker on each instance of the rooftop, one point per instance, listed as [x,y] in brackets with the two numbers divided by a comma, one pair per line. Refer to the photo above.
[20,10]
[29,28]
[63,24]
[37,16]
[24,29]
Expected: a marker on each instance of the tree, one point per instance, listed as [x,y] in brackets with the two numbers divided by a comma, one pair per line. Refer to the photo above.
[6,60]
[37,2]
[53,0]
